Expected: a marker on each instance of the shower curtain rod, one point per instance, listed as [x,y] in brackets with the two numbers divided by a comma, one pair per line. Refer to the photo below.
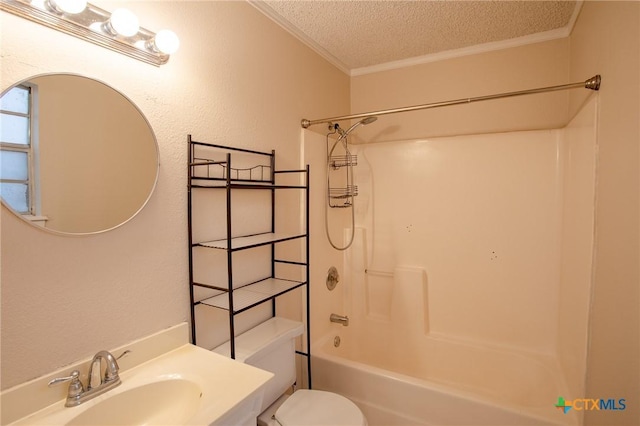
[593,83]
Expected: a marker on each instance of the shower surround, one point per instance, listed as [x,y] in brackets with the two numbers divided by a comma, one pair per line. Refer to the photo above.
[481,242]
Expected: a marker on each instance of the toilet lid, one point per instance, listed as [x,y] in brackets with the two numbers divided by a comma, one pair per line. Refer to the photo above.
[318,408]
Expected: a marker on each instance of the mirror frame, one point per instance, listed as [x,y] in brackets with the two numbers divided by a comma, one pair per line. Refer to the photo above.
[155,145]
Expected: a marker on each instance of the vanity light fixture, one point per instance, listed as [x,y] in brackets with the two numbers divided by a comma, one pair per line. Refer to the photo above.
[118,31]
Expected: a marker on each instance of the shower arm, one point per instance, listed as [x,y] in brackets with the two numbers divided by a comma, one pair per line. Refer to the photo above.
[593,84]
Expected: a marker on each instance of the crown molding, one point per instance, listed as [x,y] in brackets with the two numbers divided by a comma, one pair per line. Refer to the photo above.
[275,17]
[464,51]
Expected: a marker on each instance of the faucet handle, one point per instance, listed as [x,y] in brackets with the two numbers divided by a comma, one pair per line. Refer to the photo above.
[75,387]
[75,375]
[123,354]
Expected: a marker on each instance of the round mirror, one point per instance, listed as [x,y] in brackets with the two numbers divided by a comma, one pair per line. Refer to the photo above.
[76,156]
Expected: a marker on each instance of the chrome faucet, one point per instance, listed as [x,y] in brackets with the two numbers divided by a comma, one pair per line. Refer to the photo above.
[110,373]
[77,393]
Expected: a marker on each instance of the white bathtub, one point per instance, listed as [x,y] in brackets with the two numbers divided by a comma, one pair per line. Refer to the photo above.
[438,381]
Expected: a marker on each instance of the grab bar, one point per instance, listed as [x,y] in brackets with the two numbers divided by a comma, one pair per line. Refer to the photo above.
[379,273]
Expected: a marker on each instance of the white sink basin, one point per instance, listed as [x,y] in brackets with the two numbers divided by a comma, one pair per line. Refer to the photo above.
[164,402]
[188,385]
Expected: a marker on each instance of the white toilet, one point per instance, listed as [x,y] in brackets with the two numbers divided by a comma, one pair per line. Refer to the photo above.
[271,346]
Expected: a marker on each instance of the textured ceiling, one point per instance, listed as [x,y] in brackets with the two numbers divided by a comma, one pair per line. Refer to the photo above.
[358,34]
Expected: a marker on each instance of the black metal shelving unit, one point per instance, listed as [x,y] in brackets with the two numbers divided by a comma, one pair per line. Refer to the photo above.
[210,168]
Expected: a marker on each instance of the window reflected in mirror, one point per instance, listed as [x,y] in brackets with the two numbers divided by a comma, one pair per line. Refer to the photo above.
[18,184]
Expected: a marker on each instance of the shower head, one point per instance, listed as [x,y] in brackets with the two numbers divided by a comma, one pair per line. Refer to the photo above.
[366,120]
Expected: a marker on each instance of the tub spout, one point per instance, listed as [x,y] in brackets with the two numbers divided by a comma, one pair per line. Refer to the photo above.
[340,319]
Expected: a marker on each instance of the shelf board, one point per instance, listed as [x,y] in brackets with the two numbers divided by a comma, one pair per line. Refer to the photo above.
[239,243]
[237,185]
[253,294]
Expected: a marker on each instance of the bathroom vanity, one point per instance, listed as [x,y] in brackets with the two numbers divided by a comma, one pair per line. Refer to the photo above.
[165,380]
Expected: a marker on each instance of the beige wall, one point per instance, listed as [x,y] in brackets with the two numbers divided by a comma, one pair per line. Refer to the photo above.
[237,79]
[525,67]
[606,40]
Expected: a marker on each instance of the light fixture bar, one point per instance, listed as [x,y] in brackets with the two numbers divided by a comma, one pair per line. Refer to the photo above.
[88,25]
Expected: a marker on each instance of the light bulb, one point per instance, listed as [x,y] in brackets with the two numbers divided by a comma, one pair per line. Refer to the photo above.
[124,22]
[69,6]
[167,42]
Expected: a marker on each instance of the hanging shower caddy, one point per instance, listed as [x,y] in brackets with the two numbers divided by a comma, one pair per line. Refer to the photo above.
[341,170]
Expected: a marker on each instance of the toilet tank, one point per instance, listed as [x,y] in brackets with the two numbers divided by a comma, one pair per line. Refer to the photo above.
[269,346]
